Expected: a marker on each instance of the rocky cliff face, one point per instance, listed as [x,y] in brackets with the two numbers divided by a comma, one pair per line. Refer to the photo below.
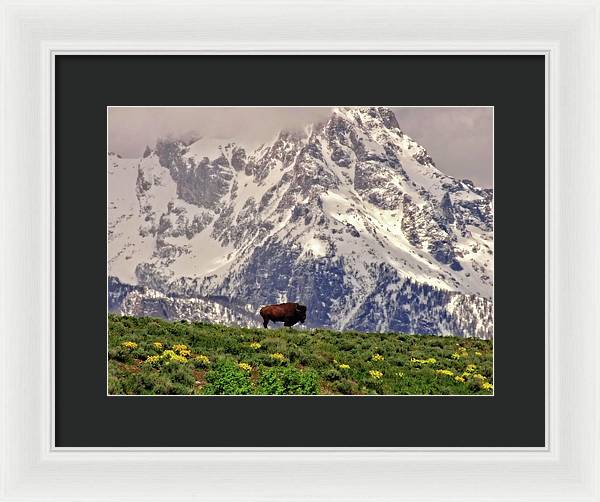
[143,301]
[351,218]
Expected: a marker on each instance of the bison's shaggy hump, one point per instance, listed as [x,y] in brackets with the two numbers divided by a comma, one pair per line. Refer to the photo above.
[287,313]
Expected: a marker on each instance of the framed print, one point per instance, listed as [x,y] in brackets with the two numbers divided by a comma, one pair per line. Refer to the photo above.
[285,254]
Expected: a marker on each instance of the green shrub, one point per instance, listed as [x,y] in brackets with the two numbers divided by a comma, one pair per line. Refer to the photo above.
[227,378]
[287,380]
[345,387]
[312,361]
[332,375]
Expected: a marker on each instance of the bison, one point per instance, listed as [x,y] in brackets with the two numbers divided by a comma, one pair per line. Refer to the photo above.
[287,313]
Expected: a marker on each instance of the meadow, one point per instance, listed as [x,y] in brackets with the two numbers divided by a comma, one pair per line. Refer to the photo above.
[149,356]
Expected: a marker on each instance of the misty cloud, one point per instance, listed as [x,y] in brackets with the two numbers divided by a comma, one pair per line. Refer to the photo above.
[459,139]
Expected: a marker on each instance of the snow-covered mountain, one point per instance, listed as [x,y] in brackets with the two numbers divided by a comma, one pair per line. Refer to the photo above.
[350,217]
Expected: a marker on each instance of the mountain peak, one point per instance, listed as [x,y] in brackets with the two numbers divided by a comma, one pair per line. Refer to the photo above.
[369,115]
[291,135]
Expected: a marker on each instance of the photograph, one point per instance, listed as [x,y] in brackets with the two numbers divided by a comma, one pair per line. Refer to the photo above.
[325,251]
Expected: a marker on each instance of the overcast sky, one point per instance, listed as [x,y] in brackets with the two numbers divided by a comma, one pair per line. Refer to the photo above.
[459,139]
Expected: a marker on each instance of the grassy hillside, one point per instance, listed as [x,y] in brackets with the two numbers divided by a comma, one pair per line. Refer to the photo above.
[152,356]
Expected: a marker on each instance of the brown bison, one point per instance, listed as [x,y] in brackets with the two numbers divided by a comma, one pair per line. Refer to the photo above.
[287,313]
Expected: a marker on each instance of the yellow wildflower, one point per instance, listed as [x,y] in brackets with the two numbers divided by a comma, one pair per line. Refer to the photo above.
[171,356]
[130,345]
[344,366]
[478,353]
[430,360]
[471,368]
[255,345]
[157,345]
[278,356]
[245,366]
[444,372]
[376,374]
[459,379]
[377,357]
[456,355]
[479,377]
[202,359]
[152,359]
[487,386]
[182,350]
[400,374]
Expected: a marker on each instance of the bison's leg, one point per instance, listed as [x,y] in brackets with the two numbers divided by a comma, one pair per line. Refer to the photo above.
[289,323]
[265,321]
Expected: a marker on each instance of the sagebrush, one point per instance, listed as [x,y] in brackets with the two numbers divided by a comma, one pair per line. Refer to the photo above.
[153,356]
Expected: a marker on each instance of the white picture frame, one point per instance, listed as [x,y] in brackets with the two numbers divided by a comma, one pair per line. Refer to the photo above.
[567,33]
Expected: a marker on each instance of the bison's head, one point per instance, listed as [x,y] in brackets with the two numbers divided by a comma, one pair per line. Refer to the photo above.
[301,312]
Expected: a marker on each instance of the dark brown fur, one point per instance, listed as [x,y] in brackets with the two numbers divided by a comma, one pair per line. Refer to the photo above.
[287,313]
